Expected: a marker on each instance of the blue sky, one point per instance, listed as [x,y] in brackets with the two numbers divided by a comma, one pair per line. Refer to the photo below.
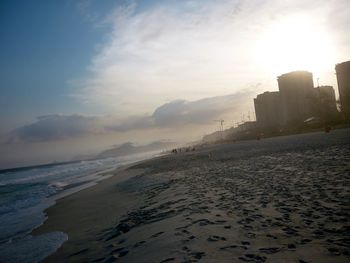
[104,72]
[44,44]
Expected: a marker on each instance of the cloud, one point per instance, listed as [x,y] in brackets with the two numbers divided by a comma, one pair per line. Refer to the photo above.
[177,49]
[190,49]
[57,127]
[181,112]
[180,49]
[132,123]
[175,115]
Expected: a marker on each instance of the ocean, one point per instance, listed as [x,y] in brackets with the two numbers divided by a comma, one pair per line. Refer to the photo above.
[26,193]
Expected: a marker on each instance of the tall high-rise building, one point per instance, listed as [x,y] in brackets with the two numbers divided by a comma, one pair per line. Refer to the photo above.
[326,103]
[343,77]
[297,95]
[268,110]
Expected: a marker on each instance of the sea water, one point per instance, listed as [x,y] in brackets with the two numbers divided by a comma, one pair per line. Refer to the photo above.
[26,193]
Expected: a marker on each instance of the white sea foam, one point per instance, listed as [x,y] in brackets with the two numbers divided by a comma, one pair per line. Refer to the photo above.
[25,194]
[32,249]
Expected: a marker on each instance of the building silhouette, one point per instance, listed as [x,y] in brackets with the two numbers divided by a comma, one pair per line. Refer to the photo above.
[343,78]
[296,93]
[268,110]
[297,106]
[326,105]
[297,103]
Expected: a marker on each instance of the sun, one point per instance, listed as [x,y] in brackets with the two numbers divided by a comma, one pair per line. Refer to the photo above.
[295,43]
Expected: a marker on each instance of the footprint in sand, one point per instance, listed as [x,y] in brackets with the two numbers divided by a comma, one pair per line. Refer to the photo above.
[197,255]
[216,238]
[167,260]
[334,251]
[139,244]
[119,252]
[79,252]
[291,247]
[274,237]
[121,241]
[270,250]
[253,258]
[250,235]
[228,247]
[157,234]
[305,241]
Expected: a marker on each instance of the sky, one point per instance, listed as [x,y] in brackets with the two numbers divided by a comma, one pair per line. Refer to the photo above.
[80,76]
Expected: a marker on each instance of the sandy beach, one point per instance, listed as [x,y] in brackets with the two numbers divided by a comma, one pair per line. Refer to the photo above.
[283,199]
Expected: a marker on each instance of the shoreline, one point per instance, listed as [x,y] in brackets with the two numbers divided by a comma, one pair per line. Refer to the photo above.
[276,200]
[81,186]
[58,220]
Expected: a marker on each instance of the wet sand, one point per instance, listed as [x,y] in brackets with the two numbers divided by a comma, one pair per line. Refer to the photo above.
[282,199]
[86,213]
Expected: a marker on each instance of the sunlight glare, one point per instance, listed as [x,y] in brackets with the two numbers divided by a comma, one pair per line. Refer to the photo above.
[295,43]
